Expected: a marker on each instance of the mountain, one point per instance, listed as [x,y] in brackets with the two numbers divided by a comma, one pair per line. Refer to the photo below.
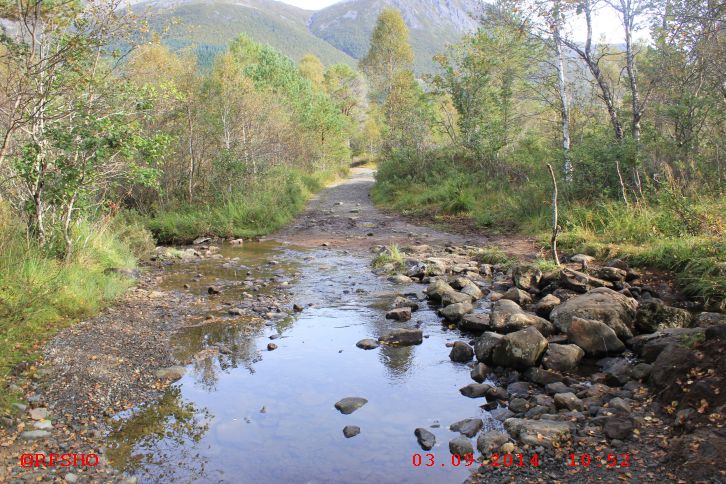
[210,25]
[433,24]
[339,33]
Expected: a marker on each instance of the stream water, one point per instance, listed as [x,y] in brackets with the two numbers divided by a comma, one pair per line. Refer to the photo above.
[253,416]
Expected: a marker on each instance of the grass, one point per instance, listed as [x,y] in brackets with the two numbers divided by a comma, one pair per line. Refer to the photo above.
[258,209]
[41,294]
[681,233]
[391,255]
[493,256]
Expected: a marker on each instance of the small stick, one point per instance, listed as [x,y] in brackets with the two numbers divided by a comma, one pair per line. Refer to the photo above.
[555,226]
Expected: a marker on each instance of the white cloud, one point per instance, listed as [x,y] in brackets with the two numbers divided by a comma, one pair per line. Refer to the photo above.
[310,4]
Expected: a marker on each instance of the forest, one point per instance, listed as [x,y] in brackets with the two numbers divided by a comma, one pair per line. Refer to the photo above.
[113,143]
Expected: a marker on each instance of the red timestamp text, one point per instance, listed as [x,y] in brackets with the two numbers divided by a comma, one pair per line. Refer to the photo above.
[468,460]
[586,460]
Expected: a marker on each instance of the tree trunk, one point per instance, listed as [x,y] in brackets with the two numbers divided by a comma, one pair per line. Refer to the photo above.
[562,88]
[555,225]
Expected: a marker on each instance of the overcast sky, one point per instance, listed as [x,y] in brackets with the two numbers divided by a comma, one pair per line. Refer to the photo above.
[605,22]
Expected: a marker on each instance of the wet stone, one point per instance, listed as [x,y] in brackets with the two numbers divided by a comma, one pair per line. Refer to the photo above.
[350,431]
[468,427]
[349,405]
[425,439]
[461,352]
[367,344]
[461,446]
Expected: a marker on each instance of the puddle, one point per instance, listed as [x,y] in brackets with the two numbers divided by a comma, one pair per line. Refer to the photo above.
[250,415]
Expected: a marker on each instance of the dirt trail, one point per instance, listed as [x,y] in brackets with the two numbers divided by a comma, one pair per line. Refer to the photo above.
[343,216]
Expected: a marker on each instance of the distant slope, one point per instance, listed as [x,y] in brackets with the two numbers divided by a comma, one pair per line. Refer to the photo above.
[433,24]
[210,25]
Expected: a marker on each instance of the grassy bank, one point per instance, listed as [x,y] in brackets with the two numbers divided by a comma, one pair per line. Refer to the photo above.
[675,232]
[41,293]
[259,208]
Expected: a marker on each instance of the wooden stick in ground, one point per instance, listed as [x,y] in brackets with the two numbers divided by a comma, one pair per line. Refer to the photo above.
[555,226]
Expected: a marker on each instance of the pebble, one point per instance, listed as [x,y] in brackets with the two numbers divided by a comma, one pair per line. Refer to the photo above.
[271,346]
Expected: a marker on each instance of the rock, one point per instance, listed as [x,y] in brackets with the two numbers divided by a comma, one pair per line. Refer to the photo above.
[400,279]
[237,241]
[541,377]
[707,319]
[367,344]
[475,390]
[518,296]
[562,357]
[672,364]
[641,371]
[480,372]
[507,317]
[402,302]
[455,298]
[468,427]
[620,406]
[544,306]
[213,290]
[34,434]
[583,259]
[518,405]
[454,312]
[403,337]
[271,346]
[546,433]
[653,315]
[520,349]
[596,338]
[518,388]
[557,387]
[579,281]
[717,331]
[649,346]
[475,323]
[399,314]
[618,264]
[43,425]
[473,291]
[487,442]
[605,305]
[618,427]
[612,274]
[461,446]
[171,373]
[618,372]
[351,431]
[425,439]
[485,344]
[71,477]
[349,405]
[497,393]
[39,413]
[438,289]
[461,352]
[526,276]
[568,401]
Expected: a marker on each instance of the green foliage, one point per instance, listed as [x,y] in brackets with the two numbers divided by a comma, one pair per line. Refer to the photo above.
[390,255]
[256,209]
[40,294]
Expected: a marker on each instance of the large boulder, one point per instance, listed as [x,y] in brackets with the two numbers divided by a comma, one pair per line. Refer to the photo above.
[579,281]
[476,323]
[594,337]
[520,349]
[561,357]
[517,295]
[485,344]
[544,306]
[455,298]
[526,276]
[507,316]
[704,320]
[605,305]
[546,433]
[649,346]
[653,315]
[672,364]
[438,289]
[454,312]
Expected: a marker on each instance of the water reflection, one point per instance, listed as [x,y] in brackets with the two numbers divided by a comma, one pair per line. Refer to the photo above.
[161,439]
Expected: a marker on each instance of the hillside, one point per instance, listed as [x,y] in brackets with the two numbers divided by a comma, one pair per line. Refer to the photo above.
[433,24]
[211,25]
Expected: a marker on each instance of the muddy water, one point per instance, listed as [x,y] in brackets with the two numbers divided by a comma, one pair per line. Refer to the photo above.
[254,415]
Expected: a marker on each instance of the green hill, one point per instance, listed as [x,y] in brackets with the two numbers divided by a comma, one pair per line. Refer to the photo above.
[209,26]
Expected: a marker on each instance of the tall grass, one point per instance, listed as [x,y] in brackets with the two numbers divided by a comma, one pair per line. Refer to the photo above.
[682,233]
[41,293]
[256,209]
